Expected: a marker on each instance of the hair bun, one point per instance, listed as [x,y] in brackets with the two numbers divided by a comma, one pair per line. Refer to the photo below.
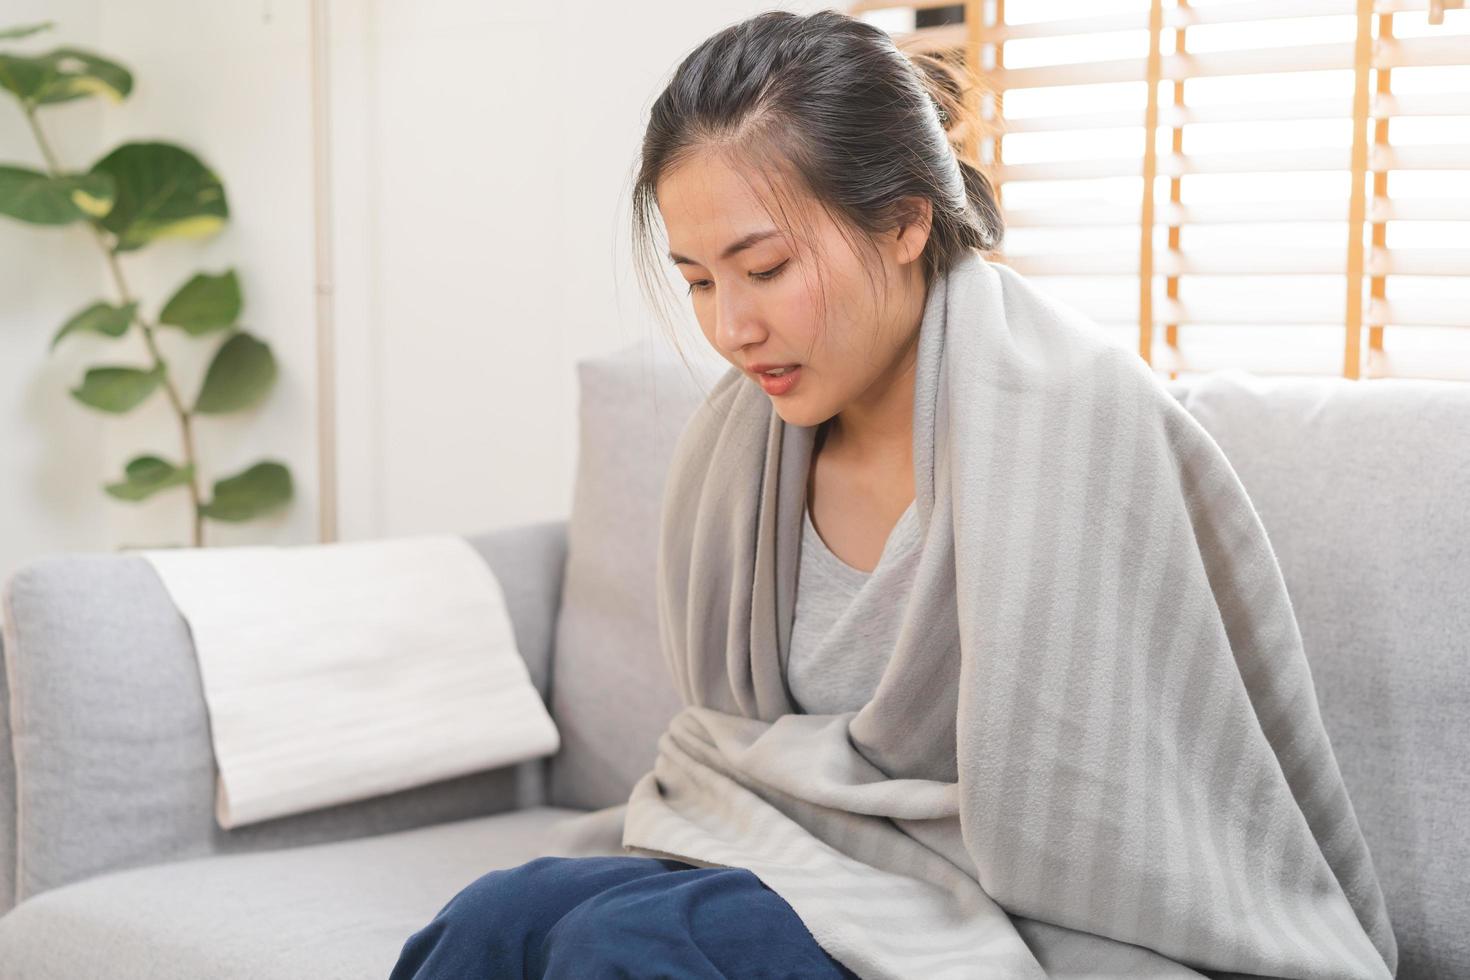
[945,84]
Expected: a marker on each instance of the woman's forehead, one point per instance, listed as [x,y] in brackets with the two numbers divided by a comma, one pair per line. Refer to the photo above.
[709,206]
[705,187]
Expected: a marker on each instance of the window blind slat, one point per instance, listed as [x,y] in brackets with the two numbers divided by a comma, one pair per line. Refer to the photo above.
[1433,209]
[1245,162]
[1221,315]
[1086,213]
[1179,164]
[1398,53]
[1420,262]
[1171,116]
[1131,20]
[943,38]
[1252,212]
[1403,52]
[1246,312]
[1178,67]
[1241,11]
[1421,312]
[1426,104]
[1239,262]
[1420,157]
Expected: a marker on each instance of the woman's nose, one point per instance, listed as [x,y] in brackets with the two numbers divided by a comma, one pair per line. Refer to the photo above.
[736,323]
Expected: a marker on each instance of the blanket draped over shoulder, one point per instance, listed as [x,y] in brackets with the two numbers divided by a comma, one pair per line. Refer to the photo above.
[1096,749]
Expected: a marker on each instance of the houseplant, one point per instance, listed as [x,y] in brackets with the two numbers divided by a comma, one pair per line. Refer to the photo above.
[136,194]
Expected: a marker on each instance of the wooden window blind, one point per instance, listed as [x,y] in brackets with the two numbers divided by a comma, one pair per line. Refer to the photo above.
[1281,186]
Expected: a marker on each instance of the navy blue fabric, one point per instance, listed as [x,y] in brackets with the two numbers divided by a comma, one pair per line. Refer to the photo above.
[615,916]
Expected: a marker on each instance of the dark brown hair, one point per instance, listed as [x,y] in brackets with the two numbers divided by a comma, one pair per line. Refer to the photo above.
[825,105]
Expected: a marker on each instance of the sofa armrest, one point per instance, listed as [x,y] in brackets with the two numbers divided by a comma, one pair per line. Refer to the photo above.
[109,732]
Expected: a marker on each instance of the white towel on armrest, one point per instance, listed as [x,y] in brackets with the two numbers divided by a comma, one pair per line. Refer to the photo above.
[338,672]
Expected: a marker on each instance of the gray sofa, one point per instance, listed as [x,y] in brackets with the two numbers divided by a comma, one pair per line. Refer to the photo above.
[111,863]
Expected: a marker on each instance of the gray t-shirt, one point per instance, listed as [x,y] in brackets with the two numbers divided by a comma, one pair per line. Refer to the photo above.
[845,624]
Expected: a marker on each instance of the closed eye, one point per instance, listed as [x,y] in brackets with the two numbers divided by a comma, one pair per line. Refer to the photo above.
[700,285]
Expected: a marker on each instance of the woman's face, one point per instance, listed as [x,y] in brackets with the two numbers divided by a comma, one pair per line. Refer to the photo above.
[756,293]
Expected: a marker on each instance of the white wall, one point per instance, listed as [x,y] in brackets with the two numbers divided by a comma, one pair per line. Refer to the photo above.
[483,155]
[478,178]
[50,452]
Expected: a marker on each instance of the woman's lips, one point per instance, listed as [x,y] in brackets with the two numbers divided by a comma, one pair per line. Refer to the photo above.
[781,385]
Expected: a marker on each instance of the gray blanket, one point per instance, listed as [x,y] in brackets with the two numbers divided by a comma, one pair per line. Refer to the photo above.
[1096,750]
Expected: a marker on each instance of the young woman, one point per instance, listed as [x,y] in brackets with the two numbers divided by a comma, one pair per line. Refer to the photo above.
[818,265]
[988,667]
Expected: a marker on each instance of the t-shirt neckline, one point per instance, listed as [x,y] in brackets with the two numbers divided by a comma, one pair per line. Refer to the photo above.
[857,574]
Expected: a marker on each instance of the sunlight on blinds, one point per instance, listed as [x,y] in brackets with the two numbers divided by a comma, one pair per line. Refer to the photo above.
[1308,162]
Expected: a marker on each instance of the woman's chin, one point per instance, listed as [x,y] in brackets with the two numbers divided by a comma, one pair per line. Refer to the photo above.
[796,414]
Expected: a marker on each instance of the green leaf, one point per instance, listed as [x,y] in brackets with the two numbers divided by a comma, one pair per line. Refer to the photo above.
[45,200]
[204,303]
[117,389]
[162,191]
[102,318]
[15,33]
[260,489]
[23,76]
[146,475]
[242,371]
[63,75]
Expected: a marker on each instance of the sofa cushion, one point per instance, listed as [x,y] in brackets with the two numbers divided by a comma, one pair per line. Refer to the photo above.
[1362,488]
[340,910]
[611,693]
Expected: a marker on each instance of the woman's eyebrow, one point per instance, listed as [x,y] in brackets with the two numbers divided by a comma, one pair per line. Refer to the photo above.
[735,246]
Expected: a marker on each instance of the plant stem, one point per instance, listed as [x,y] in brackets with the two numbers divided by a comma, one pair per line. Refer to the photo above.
[185,416]
[159,364]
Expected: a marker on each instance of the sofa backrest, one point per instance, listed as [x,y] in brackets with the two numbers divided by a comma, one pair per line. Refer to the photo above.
[611,692]
[1362,488]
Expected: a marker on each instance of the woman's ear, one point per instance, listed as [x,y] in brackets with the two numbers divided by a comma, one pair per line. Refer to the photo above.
[913,233]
